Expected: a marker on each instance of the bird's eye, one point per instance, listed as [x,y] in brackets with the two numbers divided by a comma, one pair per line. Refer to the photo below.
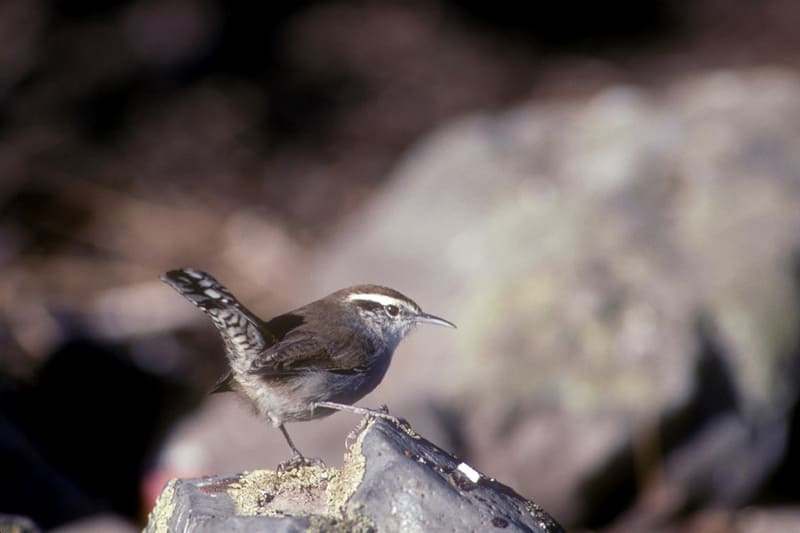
[393,310]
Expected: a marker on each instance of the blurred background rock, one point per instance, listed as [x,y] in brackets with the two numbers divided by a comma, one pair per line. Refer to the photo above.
[605,197]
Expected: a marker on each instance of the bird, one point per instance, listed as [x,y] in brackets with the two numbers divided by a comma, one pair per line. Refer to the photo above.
[310,362]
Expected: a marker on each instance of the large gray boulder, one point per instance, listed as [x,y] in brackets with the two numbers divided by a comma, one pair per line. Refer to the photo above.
[623,274]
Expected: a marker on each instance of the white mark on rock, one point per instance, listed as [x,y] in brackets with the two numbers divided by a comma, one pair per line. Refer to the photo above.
[472,474]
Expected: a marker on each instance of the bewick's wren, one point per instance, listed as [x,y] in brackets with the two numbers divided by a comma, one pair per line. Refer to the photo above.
[306,363]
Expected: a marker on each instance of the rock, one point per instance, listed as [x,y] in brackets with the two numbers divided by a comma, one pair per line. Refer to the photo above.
[392,480]
[17,524]
[593,254]
[768,520]
[99,523]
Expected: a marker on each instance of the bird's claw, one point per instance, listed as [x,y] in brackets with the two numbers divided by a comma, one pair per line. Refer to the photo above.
[383,412]
[299,461]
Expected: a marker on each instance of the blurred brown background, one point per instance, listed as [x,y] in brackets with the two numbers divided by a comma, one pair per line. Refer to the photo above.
[604,196]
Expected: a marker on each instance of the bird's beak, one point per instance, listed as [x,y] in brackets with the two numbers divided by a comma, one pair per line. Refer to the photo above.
[430,319]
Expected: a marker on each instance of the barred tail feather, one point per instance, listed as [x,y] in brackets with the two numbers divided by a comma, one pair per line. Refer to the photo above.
[201,289]
[239,328]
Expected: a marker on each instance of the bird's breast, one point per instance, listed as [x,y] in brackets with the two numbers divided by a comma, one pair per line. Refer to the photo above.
[349,387]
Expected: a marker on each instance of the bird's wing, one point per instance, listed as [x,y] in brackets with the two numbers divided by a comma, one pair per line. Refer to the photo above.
[299,352]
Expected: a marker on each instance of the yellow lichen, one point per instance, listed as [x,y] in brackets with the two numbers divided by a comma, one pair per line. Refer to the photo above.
[158,519]
[318,492]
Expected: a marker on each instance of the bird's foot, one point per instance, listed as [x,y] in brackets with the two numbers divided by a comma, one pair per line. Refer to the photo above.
[299,461]
[383,412]
[369,416]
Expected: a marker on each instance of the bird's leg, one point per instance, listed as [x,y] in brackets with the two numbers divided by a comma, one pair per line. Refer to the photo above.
[297,459]
[363,411]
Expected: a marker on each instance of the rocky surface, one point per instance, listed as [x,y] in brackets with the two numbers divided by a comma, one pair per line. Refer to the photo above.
[392,480]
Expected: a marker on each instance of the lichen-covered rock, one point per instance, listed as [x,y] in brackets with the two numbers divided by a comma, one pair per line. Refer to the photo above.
[392,480]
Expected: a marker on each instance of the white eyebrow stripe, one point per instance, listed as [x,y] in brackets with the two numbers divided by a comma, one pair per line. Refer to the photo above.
[377,298]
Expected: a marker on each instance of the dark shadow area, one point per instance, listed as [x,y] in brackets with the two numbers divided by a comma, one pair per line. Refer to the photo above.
[614,489]
[609,491]
[576,26]
[714,392]
[77,440]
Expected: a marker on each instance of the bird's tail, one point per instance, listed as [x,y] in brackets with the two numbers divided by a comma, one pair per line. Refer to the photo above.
[239,327]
